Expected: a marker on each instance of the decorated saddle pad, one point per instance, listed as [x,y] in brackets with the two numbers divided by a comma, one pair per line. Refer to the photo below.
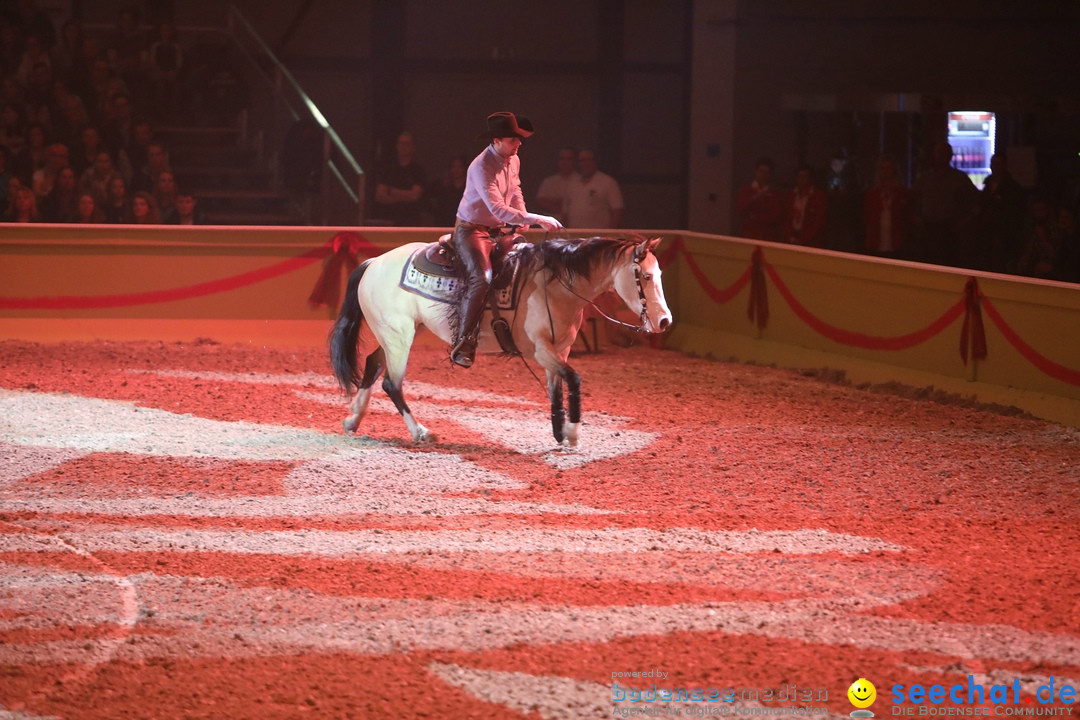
[418,278]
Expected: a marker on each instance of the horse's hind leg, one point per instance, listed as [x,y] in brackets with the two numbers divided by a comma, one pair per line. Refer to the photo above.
[372,369]
[395,375]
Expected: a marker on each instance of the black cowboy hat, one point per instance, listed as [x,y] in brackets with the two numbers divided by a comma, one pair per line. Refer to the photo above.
[506,124]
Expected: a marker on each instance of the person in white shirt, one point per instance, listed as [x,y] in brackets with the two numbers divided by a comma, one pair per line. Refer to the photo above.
[593,200]
[491,201]
[554,189]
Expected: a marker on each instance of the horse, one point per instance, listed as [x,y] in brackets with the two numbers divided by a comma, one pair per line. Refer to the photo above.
[558,278]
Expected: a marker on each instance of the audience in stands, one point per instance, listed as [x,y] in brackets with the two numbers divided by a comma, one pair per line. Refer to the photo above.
[79,108]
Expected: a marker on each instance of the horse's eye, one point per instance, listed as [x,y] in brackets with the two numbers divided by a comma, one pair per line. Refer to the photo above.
[647,277]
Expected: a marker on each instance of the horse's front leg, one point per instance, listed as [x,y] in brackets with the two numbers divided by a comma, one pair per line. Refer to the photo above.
[565,428]
[558,415]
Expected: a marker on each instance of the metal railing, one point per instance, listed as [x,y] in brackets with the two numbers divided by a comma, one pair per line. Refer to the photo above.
[336,195]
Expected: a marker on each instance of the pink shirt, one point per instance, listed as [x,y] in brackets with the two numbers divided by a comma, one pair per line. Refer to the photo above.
[492,194]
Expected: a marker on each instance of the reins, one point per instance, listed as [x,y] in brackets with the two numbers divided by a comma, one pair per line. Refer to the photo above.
[641,294]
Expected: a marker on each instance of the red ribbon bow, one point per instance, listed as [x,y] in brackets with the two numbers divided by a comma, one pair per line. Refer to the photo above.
[327,290]
[972,334]
[758,310]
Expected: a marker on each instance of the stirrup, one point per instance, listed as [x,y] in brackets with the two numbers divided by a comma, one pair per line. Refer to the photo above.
[464,352]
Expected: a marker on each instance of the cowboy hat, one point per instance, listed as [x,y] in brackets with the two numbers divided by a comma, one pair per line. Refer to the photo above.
[506,124]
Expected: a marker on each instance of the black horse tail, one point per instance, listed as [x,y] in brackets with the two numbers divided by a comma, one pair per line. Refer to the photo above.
[346,333]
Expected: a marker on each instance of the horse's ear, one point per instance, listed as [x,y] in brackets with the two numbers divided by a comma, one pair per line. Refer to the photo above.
[646,247]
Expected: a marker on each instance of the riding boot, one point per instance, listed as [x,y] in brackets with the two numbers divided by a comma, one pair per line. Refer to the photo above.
[472,249]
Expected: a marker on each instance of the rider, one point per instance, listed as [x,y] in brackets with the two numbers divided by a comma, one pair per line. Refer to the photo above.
[491,201]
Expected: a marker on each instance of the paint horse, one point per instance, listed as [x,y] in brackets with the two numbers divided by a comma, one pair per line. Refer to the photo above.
[556,280]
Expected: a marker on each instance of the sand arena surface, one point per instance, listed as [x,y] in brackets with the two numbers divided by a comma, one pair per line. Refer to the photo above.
[185,532]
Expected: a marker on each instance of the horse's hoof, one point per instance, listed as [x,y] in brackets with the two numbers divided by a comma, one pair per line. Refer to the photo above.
[572,434]
[350,425]
[424,436]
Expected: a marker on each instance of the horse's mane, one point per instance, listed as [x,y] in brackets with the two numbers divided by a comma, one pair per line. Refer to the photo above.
[570,258]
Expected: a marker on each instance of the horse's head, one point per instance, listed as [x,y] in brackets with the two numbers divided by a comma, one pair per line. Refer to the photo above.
[638,284]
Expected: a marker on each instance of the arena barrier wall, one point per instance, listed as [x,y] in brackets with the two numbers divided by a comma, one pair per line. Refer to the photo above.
[994,338]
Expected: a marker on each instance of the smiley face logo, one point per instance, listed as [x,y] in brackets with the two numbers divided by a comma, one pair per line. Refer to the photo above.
[862,693]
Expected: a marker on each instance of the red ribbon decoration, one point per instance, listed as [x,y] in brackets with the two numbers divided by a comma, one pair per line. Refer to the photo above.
[758,309]
[1045,364]
[972,333]
[327,290]
[857,339]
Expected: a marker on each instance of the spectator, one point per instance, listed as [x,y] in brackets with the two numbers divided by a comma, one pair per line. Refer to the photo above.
[945,201]
[34,52]
[1041,251]
[5,178]
[24,207]
[138,152]
[845,201]
[554,189]
[445,194]
[887,211]
[165,192]
[89,210]
[39,95]
[80,77]
[12,128]
[44,178]
[225,94]
[166,61]
[186,212]
[302,158]
[103,86]
[758,205]
[157,162]
[67,54]
[119,130]
[34,154]
[13,185]
[72,117]
[594,199]
[1002,203]
[399,187]
[86,149]
[144,210]
[1068,267]
[117,205]
[61,205]
[10,47]
[97,177]
[804,211]
[32,20]
[12,91]
[126,48]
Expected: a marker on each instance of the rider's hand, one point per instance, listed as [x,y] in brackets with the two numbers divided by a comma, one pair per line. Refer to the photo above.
[546,222]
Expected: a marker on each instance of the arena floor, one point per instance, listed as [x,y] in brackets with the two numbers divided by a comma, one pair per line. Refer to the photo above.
[185,532]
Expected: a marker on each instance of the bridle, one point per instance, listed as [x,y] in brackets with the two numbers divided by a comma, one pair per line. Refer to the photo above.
[639,255]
